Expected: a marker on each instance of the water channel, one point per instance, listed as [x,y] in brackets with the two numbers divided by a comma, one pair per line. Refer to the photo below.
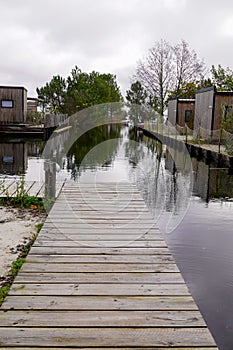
[193,208]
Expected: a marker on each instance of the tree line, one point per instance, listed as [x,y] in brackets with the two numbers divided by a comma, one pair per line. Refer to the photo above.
[78,91]
[167,71]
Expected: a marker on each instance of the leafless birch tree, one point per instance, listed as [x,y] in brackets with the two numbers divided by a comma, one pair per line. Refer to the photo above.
[155,72]
[168,69]
[188,67]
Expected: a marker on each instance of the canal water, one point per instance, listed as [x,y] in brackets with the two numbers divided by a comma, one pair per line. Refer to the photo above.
[193,207]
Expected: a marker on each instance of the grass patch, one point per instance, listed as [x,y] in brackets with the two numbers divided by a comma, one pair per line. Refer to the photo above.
[21,199]
[26,201]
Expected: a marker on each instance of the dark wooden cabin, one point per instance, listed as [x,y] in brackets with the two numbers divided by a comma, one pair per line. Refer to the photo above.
[181,111]
[212,107]
[13,105]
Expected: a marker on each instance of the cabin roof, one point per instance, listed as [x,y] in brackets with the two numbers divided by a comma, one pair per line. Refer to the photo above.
[13,87]
[186,99]
[182,99]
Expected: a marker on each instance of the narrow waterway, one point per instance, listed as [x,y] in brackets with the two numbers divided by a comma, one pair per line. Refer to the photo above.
[193,207]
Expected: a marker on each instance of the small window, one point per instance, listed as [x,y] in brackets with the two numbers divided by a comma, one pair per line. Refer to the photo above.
[228,112]
[188,115]
[7,103]
[8,159]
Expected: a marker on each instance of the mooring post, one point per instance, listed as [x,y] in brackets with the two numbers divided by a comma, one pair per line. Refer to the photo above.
[50,179]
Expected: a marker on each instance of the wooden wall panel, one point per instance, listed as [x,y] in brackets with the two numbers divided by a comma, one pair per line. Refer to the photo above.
[17,114]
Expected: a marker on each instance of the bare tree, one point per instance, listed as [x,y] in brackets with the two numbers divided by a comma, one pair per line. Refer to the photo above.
[188,67]
[155,72]
[168,69]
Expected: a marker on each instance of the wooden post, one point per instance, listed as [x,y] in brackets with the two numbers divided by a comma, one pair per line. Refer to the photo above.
[50,179]
[219,141]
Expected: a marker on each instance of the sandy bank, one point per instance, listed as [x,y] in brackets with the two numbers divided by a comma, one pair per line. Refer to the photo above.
[17,226]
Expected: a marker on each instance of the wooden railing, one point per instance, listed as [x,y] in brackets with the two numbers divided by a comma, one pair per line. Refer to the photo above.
[54,120]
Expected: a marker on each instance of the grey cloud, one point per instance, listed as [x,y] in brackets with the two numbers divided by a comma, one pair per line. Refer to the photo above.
[41,39]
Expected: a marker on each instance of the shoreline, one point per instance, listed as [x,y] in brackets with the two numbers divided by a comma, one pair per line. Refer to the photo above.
[17,227]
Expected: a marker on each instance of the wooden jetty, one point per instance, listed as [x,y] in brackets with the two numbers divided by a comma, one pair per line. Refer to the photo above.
[100,276]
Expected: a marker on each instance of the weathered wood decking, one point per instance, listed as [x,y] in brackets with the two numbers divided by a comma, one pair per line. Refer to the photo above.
[101,276]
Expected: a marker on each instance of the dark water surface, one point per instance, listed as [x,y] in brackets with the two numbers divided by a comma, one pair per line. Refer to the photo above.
[202,247]
[193,208]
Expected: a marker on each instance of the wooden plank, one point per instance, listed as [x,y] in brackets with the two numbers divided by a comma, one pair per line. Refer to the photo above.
[43,236]
[103,203]
[106,222]
[94,258]
[117,196]
[50,227]
[87,229]
[106,251]
[28,185]
[39,302]
[69,243]
[96,205]
[74,216]
[96,337]
[96,227]
[103,185]
[35,189]
[98,236]
[41,192]
[12,188]
[135,234]
[78,205]
[87,212]
[96,190]
[120,194]
[110,197]
[101,318]
[99,187]
[5,186]
[119,348]
[98,289]
[101,277]
[98,267]
[87,207]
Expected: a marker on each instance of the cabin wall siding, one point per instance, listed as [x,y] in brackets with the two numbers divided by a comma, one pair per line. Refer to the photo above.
[182,107]
[172,110]
[16,114]
[221,101]
[176,111]
[204,109]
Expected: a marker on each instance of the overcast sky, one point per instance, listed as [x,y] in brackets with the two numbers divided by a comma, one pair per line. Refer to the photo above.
[43,38]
